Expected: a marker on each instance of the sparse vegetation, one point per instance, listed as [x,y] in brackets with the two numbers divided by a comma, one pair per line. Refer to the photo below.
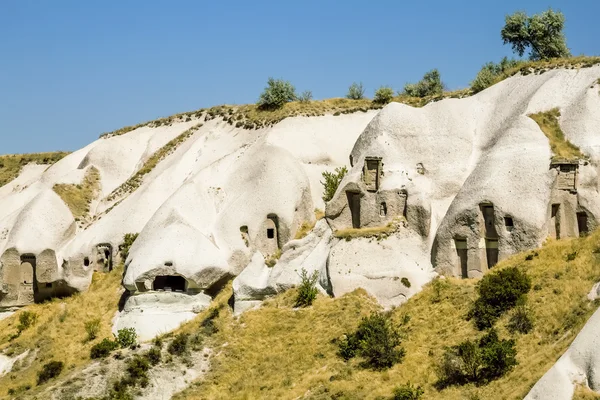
[379,233]
[408,392]
[272,259]
[307,291]
[136,180]
[79,197]
[11,165]
[92,328]
[356,91]
[520,320]
[276,94]
[179,345]
[560,146]
[490,72]
[499,291]
[376,340]
[541,33]
[126,337]
[305,96]
[26,320]
[153,355]
[430,85]
[332,181]
[124,247]
[103,349]
[50,371]
[477,361]
[383,95]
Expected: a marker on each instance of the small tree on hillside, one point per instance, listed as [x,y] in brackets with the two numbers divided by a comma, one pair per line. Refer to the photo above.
[332,181]
[490,72]
[383,95]
[541,33]
[430,85]
[276,94]
[356,91]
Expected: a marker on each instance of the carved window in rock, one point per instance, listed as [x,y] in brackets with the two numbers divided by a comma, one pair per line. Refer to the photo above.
[372,173]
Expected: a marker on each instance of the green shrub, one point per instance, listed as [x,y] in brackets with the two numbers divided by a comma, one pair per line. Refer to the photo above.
[137,367]
[383,95]
[153,355]
[430,85]
[92,328]
[103,349]
[208,324]
[376,341]
[179,345]
[499,291]
[26,320]
[49,371]
[307,291]
[276,94]
[477,361]
[490,72]
[124,247]
[408,392]
[520,320]
[356,91]
[305,97]
[332,181]
[126,337]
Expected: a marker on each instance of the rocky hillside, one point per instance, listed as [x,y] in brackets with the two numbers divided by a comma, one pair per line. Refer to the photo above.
[227,194]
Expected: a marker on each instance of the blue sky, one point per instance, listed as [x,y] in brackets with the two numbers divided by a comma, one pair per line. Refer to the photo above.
[71,70]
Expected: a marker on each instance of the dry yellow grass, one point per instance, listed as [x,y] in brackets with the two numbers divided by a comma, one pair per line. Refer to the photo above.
[277,352]
[59,333]
[11,165]
[306,226]
[379,232]
[79,197]
[560,146]
[583,393]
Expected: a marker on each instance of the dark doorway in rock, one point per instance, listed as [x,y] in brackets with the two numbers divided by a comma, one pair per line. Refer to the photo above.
[383,209]
[354,204]
[169,283]
[582,223]
[270,233]
[491,252]
[509,223]
[462,253]
[488,216]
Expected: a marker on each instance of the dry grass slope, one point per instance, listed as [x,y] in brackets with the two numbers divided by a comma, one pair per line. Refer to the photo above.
[11,165]
[59,333]
[277,352]
[560,146]
[79,197]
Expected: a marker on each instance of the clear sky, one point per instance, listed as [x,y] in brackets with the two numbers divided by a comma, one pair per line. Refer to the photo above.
[70,70]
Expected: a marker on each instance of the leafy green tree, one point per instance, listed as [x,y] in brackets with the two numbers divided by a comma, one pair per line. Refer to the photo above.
[332,181]
[276,94]
[307,291]
[383,95]
[430,85]
[541,33]
[490,72]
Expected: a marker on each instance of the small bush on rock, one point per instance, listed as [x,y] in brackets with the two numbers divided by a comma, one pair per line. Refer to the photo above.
[276,94]
[430,85]
[408,392]
[332,181]
[477,361]
[307,291]
[499,291]
[124,247]
[126,337]
[153,355]
[376,341]
[103,349]
[179,345]
[356,91]
[49,371]
[137,367]
[208,325]
[383,95]
[305,97]
[488,74]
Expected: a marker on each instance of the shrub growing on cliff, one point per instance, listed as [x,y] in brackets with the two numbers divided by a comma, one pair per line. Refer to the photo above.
[376,340]
[332,181]
[179,345]
[430,85]
[124,247]
[103,349]
[126,337]
[92,328]
[408,392]
[307,291]
[499,291]
[276,94]
[383,95]
[356,91]
[26,320]
[477,361]
[490,72]
[49,371]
